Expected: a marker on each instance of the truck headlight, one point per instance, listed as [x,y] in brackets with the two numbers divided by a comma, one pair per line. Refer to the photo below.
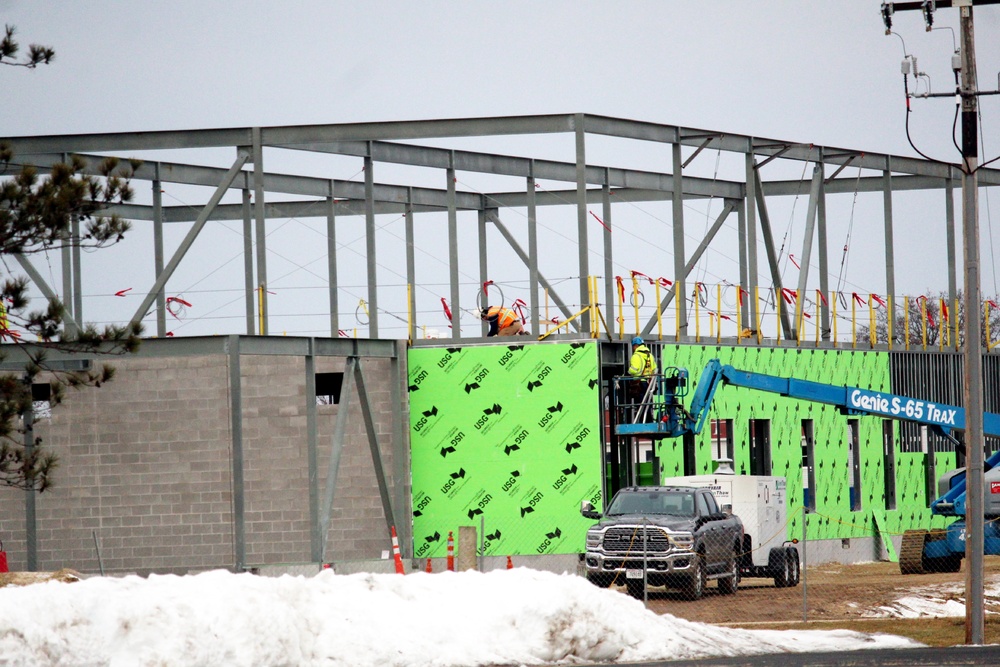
[593,539]
[681,540]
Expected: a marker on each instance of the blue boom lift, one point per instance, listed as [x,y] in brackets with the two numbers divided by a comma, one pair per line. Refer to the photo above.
[660,413]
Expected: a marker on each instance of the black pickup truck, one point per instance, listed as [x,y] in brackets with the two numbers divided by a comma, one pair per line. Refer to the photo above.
[672,536]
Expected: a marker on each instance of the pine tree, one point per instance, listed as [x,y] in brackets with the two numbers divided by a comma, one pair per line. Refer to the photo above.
[37,213]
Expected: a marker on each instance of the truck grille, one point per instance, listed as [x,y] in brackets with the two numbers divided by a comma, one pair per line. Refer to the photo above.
[626,539]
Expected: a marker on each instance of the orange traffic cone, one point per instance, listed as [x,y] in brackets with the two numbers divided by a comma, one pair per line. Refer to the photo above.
[395,553]
[451,552]
[429,568]
[510,563]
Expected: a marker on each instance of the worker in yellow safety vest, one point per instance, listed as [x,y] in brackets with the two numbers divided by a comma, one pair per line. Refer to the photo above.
[642,366]
[502,321]
[642,363]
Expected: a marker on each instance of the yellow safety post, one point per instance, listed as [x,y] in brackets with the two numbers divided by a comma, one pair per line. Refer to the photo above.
[409,311]
[659,315]
[621,307]
[260,310]
[854,323]
[986,325]
[677,310]
[923,321]
[890,316]
[718,310]
[777,314]
[871,322]
[635,301]
[697,314]
[595,308]
[818,299]
[955,310]
[906,322]
[833,316]
[943,329]
[739,322]
[756,300]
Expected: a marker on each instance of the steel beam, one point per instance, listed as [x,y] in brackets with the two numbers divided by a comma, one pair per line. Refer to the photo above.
[336,449]
[162,279]
[692,262]
[772,255]
[373,446]
[260,222]
[680,284]
[456,309]
[807,245]
[331,260]
[492,217]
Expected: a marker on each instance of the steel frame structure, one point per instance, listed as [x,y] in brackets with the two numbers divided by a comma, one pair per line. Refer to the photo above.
[384,142]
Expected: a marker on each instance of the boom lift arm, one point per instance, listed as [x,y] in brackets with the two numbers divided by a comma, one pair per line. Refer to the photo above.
[673,420]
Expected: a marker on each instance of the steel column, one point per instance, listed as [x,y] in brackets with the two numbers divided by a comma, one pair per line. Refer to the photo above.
[533,252]
[161,301]
[456,309]
[30,518]
[236,426]
[609,267]
[67,282]
[312,455]
[824,263]
[77,270]
[248,283]
[680,284]
[370,245]
[741,224]
[751,216]
[482,218]
[260,219]
[890,267]
[581,215]
[949,233]
[411,275]
[331,260]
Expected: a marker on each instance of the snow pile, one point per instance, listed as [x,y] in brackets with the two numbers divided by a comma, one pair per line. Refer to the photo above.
[937,601]
[518,616]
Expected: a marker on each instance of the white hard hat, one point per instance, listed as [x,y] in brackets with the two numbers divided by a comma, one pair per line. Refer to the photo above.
[476,313]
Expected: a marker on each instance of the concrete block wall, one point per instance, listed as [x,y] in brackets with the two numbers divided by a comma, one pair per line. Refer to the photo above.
[146,465]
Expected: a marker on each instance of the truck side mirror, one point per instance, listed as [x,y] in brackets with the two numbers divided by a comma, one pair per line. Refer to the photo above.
[588,511]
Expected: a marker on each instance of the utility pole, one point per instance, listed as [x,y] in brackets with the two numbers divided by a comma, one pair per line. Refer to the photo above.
[973,359]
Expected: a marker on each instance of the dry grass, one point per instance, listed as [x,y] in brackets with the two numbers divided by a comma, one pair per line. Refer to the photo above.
[27,578]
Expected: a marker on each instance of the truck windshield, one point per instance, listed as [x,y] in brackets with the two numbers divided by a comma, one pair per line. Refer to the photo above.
[678,503]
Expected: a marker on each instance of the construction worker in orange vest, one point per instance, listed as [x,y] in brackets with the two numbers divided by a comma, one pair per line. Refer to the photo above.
[502,321]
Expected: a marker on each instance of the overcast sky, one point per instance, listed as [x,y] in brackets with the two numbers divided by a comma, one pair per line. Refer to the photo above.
[801,70]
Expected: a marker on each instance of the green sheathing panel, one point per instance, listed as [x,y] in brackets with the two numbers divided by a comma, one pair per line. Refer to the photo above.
[833,517]
[508,435]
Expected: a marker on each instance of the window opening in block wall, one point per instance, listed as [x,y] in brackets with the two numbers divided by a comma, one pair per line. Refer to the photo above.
[41,401]
[328,387]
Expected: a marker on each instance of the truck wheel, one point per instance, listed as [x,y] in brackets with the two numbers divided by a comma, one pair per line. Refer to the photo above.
[779,567]
[634,588]
[696,584]
[794,568]
[729,583]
